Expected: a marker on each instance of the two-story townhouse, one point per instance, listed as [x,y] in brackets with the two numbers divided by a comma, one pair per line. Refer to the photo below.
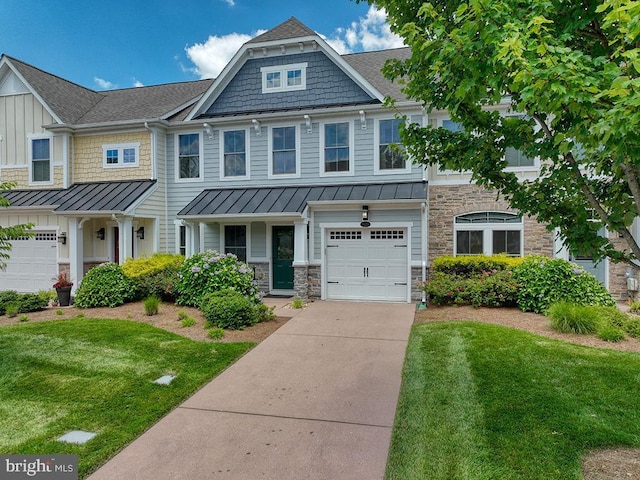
[288,159]
[89,170]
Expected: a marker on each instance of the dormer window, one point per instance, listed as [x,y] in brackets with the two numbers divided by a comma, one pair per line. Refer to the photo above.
[281,78]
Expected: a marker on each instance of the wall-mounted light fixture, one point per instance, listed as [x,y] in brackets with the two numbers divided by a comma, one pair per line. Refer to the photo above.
[62,238]
[365,216]
[307,121]
[208,130]
[100,234]
[140,233]
[256,126]
[363,120]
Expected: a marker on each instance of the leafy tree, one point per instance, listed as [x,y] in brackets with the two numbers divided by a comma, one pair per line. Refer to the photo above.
[8,234]
[570,68]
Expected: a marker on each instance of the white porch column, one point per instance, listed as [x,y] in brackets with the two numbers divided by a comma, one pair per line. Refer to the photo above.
[300,244]
[126,239]
[193,238]
[76,252]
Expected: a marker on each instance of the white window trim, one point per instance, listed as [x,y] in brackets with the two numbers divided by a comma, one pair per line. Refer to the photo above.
[247,227]
[536,160]
[487,229]
[200,177]
[283,69]
[376,153]
[247,136]
[120,147]
[40,136]
[270,173]
[351,146]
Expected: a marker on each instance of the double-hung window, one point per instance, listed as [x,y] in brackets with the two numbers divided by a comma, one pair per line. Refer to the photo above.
[189,161]
[488,233]
[391,153]
[120,155]
[235,241]
[234,154]
[40,160]
[337,148]
[283,152]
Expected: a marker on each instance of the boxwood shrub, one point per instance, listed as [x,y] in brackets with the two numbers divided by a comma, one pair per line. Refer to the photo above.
[104,286]
[473,265]
[228,309]
[489,289]
[21,302]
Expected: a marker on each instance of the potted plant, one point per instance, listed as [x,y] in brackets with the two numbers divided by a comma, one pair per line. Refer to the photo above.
[63,288]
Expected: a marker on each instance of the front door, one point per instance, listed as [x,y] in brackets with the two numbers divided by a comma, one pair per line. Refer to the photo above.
[282,258]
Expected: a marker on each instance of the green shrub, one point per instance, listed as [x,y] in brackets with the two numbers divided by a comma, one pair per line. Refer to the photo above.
[31,302]
[188,322]
[610,333]
[47,295]
[231,310]
[632,327]
[569,317]
[297,303]
[151,305]
[182,314]
[12,309]
[264,313]
[6,297]
[104,286]
[547,281]
[635,307]
[215,333]
[155,275]
[612,316]
[490,289]
[23,318]
[473,265]
[210,271]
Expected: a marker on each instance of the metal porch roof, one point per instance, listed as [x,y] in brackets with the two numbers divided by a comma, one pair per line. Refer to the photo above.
[293,200]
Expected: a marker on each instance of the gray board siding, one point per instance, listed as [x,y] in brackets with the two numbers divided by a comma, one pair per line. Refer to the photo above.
[326,85]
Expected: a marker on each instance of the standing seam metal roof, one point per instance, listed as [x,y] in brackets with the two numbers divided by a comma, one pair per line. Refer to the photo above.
[293,200]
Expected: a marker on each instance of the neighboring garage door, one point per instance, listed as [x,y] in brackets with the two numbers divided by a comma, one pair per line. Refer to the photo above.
[367,264]
[32,265]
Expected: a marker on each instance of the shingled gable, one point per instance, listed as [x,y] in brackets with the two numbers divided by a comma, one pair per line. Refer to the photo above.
[290,32]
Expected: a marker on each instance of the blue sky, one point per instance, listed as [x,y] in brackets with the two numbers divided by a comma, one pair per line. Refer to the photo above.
[127,43]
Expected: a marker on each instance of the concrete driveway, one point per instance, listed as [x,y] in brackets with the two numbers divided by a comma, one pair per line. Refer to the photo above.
[316,400]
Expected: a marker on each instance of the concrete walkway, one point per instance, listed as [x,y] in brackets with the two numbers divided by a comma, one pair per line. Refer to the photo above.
[315,400]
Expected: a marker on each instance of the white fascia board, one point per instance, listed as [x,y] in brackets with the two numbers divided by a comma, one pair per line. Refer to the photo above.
[7,62]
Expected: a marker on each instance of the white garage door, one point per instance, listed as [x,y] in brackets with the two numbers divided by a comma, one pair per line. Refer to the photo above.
[365,264]
[32,264]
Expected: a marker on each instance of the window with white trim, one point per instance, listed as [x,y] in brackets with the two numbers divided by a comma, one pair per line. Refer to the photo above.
[235,241]
[234,154]
[41,164]
[281,78]
[120,155]
[188,161]
[182,240]
[391,155]
[283,154]
[488,233]
[336,139]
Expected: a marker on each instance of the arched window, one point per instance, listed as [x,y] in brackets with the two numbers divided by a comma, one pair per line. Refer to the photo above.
[488,233]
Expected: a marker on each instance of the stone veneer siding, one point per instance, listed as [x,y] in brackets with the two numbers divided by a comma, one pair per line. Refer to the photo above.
[314,287]
[89,163]
[261,276]
[448,201]
[301,282]
[416,284]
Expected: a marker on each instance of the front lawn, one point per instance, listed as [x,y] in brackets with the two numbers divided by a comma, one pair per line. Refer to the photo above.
[481,401]
[95,375]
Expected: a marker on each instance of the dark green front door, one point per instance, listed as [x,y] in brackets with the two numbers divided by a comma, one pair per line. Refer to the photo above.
[282,258]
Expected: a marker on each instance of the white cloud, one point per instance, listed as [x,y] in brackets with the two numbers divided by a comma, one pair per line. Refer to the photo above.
[213,55]
[372,32]
[104,84]
[137,83]
[231,3]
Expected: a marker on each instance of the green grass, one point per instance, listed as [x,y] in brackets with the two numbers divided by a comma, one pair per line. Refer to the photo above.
[95,375]
[486,402]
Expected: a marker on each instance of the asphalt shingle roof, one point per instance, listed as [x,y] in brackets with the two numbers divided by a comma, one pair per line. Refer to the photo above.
[369,65]
[293,200]
[291,28]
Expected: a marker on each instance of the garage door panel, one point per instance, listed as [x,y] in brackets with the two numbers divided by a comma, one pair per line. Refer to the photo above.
[32,264]
[367,265]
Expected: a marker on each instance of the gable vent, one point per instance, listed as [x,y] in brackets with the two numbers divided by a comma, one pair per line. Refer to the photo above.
[11,85]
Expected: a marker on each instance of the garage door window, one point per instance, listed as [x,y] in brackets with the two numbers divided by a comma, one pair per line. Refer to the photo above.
[488,233]
[387,234]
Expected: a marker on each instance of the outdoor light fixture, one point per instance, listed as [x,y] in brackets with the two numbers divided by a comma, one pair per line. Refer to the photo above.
[365,216]
[209,130]
[307,120]
[62,238]
[256,126]
[363,120]
[100,234]
[140,233]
